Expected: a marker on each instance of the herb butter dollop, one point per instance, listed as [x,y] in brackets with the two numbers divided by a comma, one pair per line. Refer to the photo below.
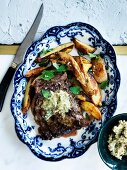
[58,102]
[117,142]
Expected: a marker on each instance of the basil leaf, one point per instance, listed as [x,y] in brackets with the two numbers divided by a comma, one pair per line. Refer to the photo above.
[93,55]
[62,68]
[47,74]
[45,51]
[44,62]
[56,65]
[103,85]
[75,89]
[46,93]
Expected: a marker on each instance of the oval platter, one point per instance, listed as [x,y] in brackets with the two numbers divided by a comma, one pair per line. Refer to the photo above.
[26,129]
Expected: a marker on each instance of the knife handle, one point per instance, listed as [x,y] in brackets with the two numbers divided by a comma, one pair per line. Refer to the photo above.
[5,84]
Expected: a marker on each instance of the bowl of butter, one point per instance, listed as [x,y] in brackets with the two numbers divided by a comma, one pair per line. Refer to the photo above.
[112,142]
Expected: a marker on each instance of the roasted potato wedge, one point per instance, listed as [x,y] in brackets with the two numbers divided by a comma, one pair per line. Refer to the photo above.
[77,72]
[92,88]
[99,71]
[85,62]
[66,47]
[26,101]
[82,47]
[81,97]
[88,83]
[87,67]
[57,61]
[91,109]
[35,71]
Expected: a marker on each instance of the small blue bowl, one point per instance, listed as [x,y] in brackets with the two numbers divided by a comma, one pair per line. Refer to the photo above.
[111,161]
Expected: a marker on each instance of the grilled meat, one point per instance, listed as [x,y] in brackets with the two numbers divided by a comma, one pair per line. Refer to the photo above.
[58,123]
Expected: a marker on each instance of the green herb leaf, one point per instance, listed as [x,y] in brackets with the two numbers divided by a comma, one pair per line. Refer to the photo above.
[46,93]
[45,51]
[75,89]
[93,55]
[56,65]
[103,85]
[47,74]
[62,68]
[44,62]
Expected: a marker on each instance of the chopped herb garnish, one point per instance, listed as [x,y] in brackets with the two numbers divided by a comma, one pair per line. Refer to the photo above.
[56,65]
[93,56]
[45,51]
[86,116]
[46,93]
[47,74]
[103,85]
[75,89]
[44,62]
[62,68]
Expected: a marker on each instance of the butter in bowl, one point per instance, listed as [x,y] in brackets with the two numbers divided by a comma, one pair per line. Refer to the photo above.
[112,145]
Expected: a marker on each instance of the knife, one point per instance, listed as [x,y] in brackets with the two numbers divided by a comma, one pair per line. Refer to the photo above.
[19,56]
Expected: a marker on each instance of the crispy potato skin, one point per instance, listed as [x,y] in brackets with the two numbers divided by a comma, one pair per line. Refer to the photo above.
[82,47]
[92,109]
[99,71]
[35,71]
[26,101]
[67,47]
[87,81]
[81,97]
[91,87]
[85,62]
[93,90]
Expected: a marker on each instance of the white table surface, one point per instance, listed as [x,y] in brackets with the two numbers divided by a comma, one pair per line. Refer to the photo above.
[14,155]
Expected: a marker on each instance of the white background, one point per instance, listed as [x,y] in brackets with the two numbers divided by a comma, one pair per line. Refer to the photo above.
[14,155]
[108,16]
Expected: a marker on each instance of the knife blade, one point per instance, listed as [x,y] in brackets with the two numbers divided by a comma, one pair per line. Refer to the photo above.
[19,57]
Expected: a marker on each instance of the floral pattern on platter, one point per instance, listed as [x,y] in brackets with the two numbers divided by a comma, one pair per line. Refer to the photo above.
[26,129]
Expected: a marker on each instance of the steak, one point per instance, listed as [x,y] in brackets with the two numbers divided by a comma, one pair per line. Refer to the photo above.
[57,125]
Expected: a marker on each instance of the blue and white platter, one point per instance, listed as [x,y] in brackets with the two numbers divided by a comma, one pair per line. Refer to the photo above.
[25,126]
